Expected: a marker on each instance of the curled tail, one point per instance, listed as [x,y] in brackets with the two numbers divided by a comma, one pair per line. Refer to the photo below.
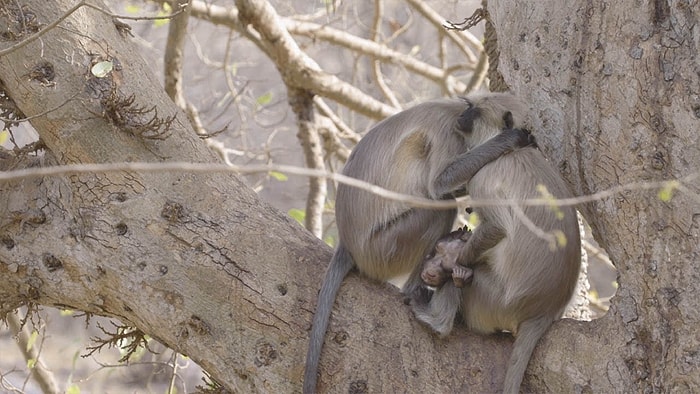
[339,267]
[529,333]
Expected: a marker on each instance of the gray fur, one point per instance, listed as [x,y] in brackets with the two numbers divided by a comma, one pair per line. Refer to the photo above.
[520,283]
[420,151]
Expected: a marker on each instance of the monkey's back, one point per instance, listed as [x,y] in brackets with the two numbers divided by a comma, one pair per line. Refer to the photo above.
[526,266]
[398,154]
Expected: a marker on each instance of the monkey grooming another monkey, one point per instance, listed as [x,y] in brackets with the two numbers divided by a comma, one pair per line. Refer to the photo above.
[441,264]
[521,282]
[422,152]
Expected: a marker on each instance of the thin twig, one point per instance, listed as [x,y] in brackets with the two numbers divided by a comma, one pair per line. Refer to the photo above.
[376,63]
[418,202]
[457,37]
[43,376]
[345,131]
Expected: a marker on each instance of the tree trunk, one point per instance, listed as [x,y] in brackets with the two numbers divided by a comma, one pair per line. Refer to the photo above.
[200,263]
[615,89]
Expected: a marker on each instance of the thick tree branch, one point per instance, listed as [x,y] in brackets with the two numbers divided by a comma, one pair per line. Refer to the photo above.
[229,17]
[296,68]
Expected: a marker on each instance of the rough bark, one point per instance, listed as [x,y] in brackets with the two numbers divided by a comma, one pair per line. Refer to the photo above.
[616,93]
[196,261]
[200,263]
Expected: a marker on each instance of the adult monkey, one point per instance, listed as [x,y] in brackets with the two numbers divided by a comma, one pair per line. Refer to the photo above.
[521,282]
[422,152]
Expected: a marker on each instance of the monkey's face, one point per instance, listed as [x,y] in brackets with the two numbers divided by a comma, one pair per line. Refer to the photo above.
[438,266]
[433,274]
[488,114]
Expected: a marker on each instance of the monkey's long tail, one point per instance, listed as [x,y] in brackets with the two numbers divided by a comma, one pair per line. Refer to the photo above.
[339,267]
[529,333]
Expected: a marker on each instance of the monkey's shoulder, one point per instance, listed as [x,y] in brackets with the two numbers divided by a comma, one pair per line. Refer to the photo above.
[518,174]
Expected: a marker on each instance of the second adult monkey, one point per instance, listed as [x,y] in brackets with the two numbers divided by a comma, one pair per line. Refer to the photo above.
[422,152]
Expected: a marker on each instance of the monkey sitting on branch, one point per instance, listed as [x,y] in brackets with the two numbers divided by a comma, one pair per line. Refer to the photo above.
[422,151]
[525,259]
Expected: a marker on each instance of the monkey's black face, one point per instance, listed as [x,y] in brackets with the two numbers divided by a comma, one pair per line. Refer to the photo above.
[465,122]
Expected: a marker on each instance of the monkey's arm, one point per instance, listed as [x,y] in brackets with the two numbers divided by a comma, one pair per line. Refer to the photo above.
[484,237]
[460,172]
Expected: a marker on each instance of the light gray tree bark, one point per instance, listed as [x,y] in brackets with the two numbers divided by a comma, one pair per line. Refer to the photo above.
[616,92]
[198,262]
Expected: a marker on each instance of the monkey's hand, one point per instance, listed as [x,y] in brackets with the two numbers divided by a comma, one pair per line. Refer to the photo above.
[531,138]
[462,276]
[520,137]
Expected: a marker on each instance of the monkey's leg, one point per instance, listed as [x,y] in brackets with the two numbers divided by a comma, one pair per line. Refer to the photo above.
[484,237]
[442,309]
[461,171]
[416,234]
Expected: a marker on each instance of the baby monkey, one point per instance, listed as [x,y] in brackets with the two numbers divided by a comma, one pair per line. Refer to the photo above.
[442,264]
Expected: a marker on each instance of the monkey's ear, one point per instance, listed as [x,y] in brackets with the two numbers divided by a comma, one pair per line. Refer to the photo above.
[465,122]
[508,120]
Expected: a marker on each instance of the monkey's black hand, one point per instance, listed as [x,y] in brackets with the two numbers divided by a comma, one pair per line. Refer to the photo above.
[531,139]
[522,137]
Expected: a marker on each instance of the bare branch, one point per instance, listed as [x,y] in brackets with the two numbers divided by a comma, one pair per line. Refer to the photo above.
[296,68]
[376,64]
[41,374]
[302,105]
[457,37]
[174,53]
[413,201]
[346,131]
[325,85]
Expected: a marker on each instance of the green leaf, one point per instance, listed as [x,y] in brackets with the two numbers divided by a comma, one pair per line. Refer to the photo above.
[278,175]
[544,192]
[132,9]
[561,238]
[73,389]
[164,12]
[4,135]
[31,363]
[473,220]
[32,339]
[102,69]
[666,192]
[67,312]
[297,214]
[264,99]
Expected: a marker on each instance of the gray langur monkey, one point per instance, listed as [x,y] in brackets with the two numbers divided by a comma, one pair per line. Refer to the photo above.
[422,152]
[520,281]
